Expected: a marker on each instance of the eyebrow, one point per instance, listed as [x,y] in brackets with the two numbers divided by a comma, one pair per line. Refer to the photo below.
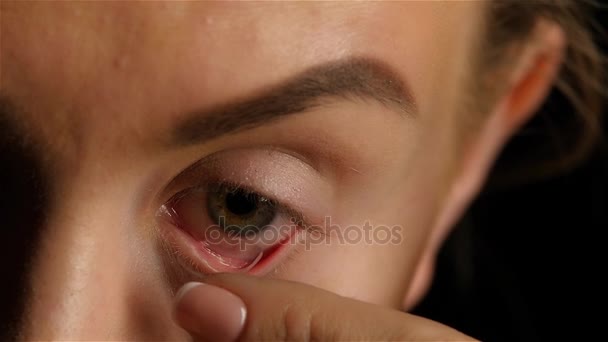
[354,78]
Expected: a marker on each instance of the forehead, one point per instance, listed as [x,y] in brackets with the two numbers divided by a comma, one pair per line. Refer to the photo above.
[86,67]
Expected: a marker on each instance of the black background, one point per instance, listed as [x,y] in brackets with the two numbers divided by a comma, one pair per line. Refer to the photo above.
[527,262]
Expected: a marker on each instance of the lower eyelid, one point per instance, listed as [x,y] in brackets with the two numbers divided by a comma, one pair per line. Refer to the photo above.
[176,247]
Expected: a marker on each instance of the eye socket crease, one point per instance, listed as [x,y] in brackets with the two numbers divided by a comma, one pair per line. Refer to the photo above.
[351,78]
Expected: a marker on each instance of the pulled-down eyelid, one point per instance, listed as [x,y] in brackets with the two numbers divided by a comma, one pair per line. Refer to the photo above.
[228,236]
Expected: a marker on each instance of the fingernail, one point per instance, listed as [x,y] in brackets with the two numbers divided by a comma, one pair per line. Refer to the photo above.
[209,312]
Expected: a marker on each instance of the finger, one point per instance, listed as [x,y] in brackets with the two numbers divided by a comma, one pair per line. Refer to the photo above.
[210,313]
[283,310]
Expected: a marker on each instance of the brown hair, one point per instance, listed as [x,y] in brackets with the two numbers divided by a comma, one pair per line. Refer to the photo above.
[576,127]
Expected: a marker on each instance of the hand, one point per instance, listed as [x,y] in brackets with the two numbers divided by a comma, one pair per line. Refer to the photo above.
[232,307]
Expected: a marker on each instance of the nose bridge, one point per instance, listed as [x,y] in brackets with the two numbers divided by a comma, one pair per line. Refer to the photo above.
[79,278]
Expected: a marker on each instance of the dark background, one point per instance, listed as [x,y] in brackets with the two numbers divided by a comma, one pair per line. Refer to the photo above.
[527,261]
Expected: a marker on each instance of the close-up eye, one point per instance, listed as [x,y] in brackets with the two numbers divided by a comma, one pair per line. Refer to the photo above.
[223,225]
[301,170]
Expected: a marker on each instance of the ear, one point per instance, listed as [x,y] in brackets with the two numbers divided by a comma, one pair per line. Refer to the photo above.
[532,77]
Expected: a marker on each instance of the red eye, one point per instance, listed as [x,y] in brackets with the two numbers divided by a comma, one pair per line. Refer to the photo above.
[228,228]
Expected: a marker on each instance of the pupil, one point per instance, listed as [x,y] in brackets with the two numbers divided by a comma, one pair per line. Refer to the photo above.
[240,204]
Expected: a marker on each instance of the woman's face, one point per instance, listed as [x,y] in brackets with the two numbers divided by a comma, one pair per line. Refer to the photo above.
[151,116]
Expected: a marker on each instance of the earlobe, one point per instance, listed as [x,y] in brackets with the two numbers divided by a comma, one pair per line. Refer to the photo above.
[530,81]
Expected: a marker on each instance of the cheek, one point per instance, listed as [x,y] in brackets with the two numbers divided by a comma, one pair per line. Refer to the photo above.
[371,263]
[371,269]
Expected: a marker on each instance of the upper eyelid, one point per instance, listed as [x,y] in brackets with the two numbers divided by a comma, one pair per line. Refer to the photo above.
[215,160]
[302,191]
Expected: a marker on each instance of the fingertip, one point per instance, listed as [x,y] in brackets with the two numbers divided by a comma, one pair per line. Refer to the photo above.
[209,312]
[184,289]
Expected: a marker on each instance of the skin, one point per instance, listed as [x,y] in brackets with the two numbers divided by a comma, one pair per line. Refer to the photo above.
[100,84]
